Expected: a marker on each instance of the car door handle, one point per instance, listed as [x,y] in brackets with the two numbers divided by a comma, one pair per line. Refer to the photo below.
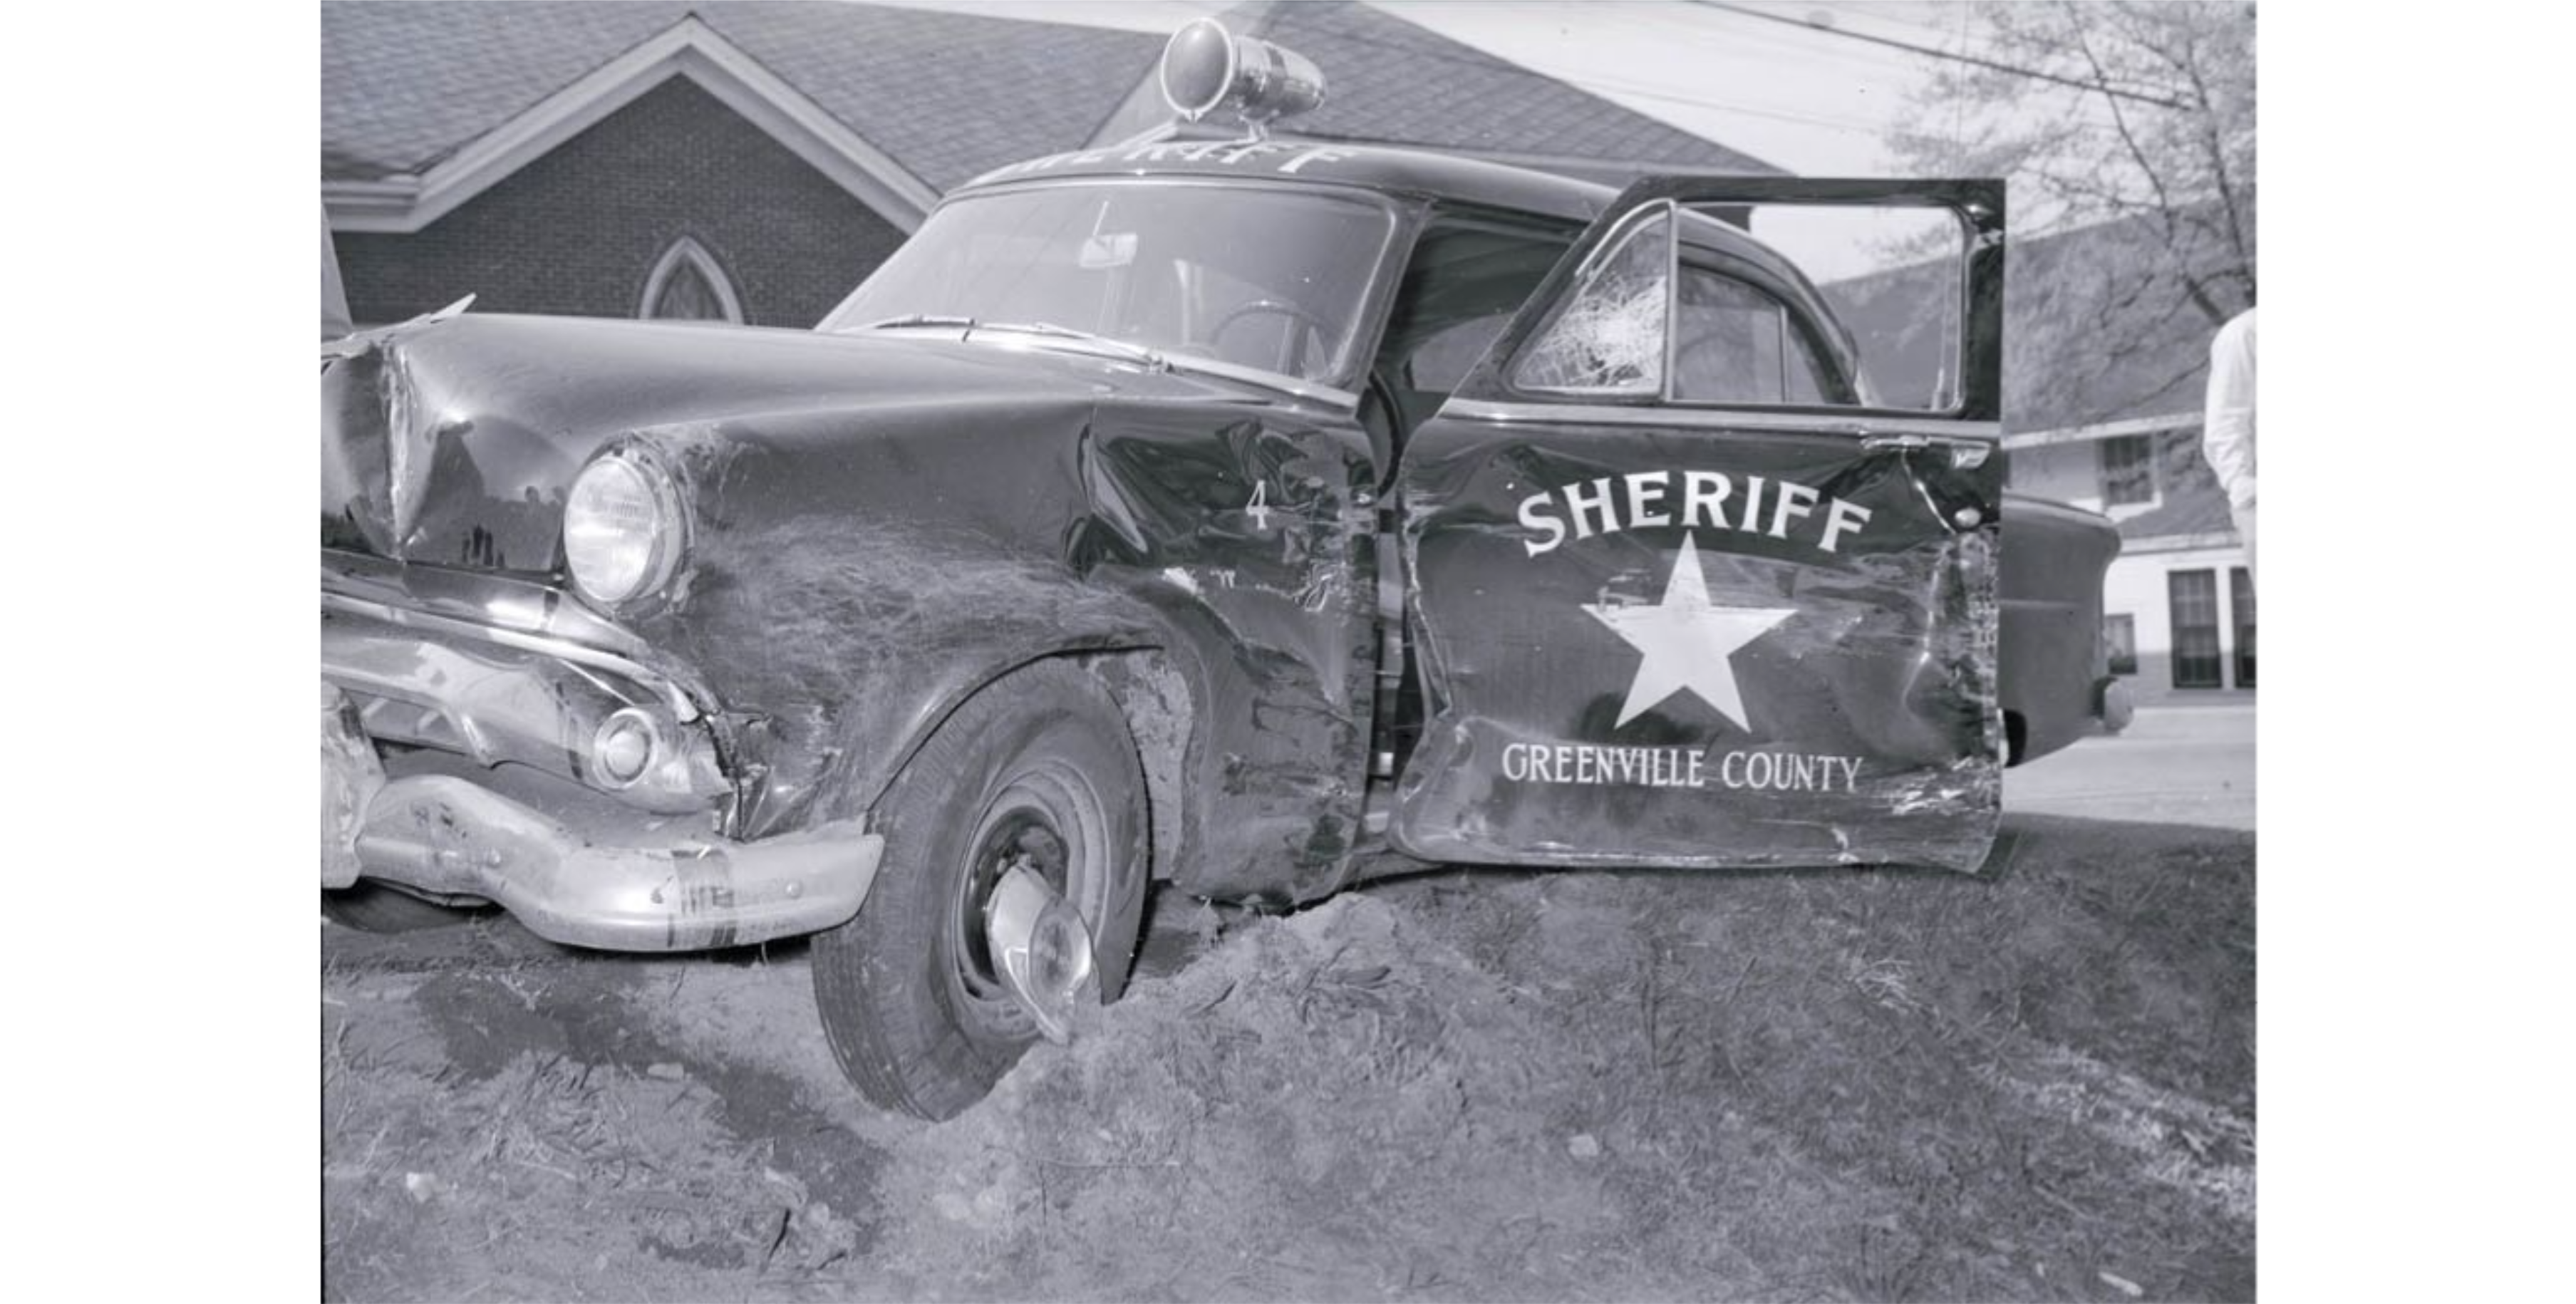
[1965,454]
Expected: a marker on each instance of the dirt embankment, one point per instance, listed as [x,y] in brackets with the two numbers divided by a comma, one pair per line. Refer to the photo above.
[1454,1086]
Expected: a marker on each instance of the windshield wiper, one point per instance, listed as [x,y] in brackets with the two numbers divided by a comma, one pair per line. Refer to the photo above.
[1135,353]
[919,319]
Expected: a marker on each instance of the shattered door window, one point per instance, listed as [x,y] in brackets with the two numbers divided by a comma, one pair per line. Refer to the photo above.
[1607,337]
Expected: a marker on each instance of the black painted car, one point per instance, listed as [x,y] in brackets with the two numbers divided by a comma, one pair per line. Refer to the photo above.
[1205,512]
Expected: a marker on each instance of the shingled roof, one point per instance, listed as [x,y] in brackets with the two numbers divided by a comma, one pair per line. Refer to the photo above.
[2193,507]
[2080,361]
[1389,80]
[947,96]
[407,83]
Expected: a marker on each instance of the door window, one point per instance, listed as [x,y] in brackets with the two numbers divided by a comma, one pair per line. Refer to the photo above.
[1606,338]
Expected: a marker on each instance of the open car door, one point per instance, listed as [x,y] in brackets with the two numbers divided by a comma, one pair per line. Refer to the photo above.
[1703,552]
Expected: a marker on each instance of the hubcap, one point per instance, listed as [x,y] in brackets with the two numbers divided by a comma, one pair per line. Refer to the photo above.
[1020,939]
[1020,839]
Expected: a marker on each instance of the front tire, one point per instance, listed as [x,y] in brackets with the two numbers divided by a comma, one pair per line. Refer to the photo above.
[1036,769]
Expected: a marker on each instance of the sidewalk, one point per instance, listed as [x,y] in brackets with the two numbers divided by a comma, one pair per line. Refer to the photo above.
[2176,764]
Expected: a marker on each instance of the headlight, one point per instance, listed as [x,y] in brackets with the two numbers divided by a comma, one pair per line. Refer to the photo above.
[622,529]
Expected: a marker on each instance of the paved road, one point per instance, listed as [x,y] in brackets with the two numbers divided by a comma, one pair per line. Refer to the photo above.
[2173,765]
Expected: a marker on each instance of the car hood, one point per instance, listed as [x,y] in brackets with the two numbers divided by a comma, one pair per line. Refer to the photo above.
[454,442]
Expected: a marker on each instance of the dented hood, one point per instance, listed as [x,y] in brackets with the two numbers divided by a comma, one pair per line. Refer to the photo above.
[455,442]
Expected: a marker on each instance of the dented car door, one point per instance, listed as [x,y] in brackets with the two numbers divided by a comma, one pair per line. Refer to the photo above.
[1688,588]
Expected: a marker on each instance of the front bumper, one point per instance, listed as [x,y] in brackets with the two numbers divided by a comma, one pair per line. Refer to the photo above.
[630,882]
[487,697]
[2115,704]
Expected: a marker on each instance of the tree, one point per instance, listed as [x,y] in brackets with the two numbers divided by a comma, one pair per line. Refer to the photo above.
[2126,132]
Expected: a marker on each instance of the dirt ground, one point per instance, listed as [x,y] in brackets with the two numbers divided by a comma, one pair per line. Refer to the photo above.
[1874,1085]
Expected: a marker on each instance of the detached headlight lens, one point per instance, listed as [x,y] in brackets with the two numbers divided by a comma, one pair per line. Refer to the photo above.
[622,528]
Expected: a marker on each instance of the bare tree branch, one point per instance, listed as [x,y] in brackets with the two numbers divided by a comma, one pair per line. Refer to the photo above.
[2134,225]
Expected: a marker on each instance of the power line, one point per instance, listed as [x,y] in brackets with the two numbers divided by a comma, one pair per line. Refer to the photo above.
[1678,24]
[1955,57]
[1487,61]
[1932,30]
[1829,124]
[1650,91]
[1427,46]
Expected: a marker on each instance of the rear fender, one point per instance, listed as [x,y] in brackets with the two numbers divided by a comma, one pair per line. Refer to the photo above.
[2052,662]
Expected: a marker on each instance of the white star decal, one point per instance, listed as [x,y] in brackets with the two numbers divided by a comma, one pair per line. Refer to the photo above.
[1687,641]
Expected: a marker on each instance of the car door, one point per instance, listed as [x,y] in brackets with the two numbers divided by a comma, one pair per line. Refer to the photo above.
[1689,583]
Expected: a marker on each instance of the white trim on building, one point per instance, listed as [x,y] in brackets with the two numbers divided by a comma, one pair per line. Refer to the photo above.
[2105,430]
[2067,464]
[688,48]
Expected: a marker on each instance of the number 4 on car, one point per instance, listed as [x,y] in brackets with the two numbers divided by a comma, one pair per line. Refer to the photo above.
[1215,512]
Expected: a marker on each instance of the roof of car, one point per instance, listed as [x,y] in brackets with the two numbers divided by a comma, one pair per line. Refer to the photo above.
[1371,167]
[1422,173]
[1393,80]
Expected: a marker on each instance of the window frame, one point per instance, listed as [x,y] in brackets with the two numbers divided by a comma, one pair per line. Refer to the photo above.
[1834,369]
[2241,622]
[2120,654]
[687,252]
[2216,657]
[2144,470]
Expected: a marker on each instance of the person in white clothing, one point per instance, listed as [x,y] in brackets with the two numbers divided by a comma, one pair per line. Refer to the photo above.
[2227,422]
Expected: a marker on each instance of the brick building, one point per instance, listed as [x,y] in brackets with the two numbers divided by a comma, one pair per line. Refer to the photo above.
[753,161]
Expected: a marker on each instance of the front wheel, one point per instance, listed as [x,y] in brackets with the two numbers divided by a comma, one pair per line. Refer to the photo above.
[1037,772]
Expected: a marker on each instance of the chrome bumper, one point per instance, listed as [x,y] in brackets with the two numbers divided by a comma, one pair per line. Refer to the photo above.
[636,882]
[500,705]
[2114,703]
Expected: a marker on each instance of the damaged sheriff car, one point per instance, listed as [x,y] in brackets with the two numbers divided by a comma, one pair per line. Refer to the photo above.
[1212,511]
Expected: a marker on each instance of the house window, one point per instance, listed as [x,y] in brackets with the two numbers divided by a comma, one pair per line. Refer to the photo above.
[2192,597]
[687,284]
[2120,636]
[2240,594]
[2128,471]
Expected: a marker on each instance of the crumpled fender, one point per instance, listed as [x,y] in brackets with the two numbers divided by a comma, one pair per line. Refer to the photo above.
[847,593]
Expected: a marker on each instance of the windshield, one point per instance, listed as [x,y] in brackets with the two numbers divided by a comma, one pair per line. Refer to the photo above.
[1261,277]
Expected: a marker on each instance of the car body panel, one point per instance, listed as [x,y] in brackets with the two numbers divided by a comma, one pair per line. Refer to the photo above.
[883,523]
[1867,729]
[1690,634]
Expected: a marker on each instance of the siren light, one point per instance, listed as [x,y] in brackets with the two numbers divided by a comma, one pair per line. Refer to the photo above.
[1207,69]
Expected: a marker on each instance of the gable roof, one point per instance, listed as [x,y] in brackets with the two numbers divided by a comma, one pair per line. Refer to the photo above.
[1389,80]
[427,102]
[2097,341]
[2193,507]
[2118,337]
[938,96]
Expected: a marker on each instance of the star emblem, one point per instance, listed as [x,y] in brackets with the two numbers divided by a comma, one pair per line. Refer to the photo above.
[1688,641]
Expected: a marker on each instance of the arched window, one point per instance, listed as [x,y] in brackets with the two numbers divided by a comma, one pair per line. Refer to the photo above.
[688,285]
